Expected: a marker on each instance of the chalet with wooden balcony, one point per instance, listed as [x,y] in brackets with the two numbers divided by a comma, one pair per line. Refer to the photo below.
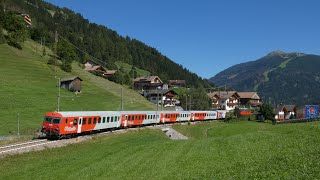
[147,83]
[249,99]
[98,70]
[283,112]
[177,83]
[226,100]
[166,97]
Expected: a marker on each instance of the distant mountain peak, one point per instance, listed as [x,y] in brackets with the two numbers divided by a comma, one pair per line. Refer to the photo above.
[277,53]
[284,54]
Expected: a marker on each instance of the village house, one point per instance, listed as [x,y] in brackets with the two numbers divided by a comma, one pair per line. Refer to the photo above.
[177,83]
[165,96]
[72,84]
[98,70]
[285,112]
[249,99]
[226,100]
[147,83]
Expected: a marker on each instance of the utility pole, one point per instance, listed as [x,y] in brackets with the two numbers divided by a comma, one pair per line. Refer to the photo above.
[190,102]
[157,100]
[186,109]
[161,101]
[121,99]
[18,124]
[58,98]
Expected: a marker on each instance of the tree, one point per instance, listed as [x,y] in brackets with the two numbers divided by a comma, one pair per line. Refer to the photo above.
[2,39]
[196,98]
[267,111]
[133,72]
[67,53]
[17,30]
[44,52]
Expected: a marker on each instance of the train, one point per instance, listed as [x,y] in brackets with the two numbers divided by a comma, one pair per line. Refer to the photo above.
[65,124]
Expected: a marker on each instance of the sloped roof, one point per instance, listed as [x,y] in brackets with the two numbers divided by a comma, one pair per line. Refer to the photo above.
[162,91]
[248,95]
[70,79]
[146,78]
[94,68]
[177,81]
[287,107]
[222,94]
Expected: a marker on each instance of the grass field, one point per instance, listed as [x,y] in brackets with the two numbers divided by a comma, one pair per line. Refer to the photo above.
[215,150]
[28,87]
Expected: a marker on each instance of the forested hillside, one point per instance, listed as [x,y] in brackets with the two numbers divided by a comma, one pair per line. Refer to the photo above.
[106,45]
[278,77]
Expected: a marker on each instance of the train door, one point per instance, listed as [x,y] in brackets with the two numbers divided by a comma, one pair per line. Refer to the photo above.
[192,117]
[79,125]
[125,120]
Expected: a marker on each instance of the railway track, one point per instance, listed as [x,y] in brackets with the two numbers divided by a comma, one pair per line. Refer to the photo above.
[40,144]
[23,147]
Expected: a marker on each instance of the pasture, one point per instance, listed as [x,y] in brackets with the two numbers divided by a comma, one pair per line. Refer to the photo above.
[215,150]
[29,87]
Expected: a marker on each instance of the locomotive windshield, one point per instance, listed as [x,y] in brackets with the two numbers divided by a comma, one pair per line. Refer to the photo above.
[47,119]
[52,120]
[56,121]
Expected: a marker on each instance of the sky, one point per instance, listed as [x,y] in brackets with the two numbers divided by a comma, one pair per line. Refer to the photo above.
[208,36]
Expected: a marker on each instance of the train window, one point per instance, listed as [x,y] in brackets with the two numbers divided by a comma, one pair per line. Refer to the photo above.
[89,121]
[84,121]
[94,120]
[79,121]
[103,119]
[137,117]
[118,118]
[47,119]
[99,120]
[66,120]
[56,121]
[108,119]
[75,122]
[112,119]
[129,117]
[132,118]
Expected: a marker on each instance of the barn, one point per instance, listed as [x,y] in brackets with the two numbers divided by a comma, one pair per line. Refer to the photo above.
[72,84]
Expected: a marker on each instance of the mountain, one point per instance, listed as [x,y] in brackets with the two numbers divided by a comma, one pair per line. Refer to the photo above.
[278,77]
[106,45]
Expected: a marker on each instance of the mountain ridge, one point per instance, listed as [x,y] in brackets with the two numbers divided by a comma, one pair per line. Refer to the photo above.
[278,77]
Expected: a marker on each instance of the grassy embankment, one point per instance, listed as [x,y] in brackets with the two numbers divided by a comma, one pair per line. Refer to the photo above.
[28,87]
[240,150]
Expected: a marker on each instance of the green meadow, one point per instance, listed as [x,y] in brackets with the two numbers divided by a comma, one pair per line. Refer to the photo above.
[28,86]
[214,150]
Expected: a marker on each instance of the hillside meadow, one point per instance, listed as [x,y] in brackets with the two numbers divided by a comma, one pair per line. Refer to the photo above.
[28,85]
[215,150]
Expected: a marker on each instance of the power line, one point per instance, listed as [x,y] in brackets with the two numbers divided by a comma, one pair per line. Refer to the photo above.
[86,52]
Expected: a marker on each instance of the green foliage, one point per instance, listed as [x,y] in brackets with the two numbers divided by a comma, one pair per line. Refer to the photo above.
[197,98]
[240,150]
[2,39]
[236,112]
[16,28]
[267,111]
[288,78]
[133,72]
[100,42]
[67,53]
[44,52]
[36,92]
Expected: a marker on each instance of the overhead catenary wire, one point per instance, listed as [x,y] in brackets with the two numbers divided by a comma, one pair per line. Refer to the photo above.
[96,59]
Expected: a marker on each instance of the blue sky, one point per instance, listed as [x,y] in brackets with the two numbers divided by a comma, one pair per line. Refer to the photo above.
[208,36]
